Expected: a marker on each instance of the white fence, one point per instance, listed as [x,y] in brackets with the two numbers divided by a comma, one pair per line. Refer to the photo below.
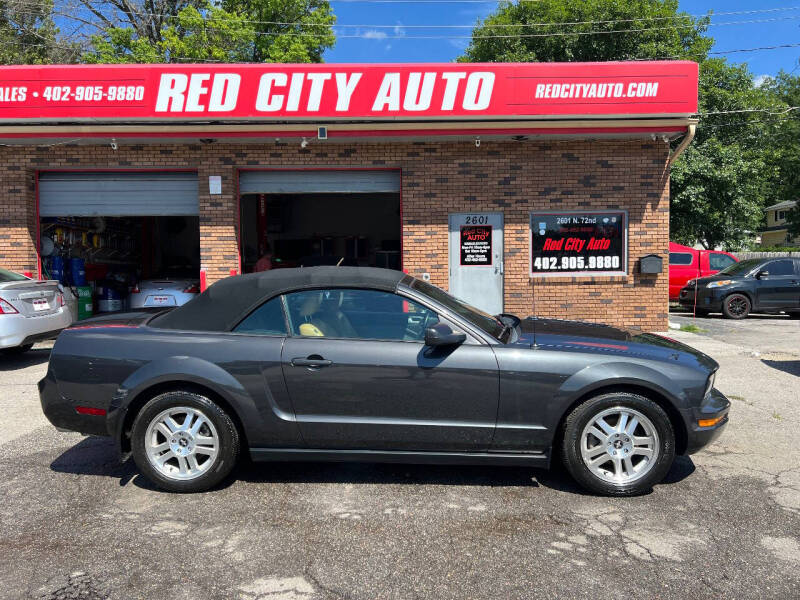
[744,255]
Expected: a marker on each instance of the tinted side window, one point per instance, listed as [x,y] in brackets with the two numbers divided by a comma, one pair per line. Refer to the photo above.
[680,258]
[358,314]
[780,267]
[719,261]
[267,319]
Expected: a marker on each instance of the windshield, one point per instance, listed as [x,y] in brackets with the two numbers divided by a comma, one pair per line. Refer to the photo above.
[483,321]
[741,268]
[6,276]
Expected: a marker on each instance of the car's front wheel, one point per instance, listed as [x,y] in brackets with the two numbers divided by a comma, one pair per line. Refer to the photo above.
[184,442]
[736,306]
[618,444]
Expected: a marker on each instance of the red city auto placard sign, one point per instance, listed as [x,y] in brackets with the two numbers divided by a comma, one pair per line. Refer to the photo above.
[339,92]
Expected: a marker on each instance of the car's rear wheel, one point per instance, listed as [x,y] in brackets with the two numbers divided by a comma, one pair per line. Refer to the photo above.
[736,306]
[618,444]
[184,442]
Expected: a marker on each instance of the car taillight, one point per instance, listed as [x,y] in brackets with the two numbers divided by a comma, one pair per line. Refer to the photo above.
[60,299]
[192,289]
[6,308]
[135,290]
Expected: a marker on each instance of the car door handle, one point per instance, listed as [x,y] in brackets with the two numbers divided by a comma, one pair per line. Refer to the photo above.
[312,361]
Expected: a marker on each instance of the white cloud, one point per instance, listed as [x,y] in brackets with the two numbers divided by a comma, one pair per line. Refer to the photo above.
[760,79]
[398,30]
[374,34]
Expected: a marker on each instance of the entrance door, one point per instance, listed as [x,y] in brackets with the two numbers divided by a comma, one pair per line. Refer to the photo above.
[476,259]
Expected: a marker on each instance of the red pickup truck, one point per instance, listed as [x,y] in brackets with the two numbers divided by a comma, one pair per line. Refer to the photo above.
[686,263]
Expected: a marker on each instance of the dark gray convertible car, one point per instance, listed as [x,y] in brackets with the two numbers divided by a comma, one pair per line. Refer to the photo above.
[355,364]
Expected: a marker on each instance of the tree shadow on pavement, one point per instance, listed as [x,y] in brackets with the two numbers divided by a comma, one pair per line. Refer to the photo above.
[12,362]
[787,366]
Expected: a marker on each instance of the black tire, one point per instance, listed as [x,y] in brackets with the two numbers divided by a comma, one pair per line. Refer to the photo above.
[227,434]
[586,412]
[736,306]
[17,350]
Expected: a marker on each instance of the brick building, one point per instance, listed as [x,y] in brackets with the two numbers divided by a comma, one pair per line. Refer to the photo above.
[549,203]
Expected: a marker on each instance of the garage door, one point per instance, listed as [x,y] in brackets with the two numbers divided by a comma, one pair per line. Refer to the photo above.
[88,194]
[315,182]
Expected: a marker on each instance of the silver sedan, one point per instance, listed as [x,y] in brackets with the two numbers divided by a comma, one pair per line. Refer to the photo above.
[30,311]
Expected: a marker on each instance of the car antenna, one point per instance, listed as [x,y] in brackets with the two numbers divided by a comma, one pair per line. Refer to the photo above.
[338,264]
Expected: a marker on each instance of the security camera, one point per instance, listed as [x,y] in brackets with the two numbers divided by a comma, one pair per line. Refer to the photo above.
[114,144]
[304,143]
[477,142]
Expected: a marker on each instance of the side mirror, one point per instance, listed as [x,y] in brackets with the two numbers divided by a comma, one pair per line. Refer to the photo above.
[442,335]
[762,274]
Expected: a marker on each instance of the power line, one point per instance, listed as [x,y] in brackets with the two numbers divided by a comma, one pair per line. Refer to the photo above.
[490,25]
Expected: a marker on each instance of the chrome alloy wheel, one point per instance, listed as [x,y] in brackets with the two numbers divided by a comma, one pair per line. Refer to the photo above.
[181,443]
[619,445]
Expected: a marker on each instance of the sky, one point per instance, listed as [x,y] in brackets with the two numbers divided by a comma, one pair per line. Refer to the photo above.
[395,41]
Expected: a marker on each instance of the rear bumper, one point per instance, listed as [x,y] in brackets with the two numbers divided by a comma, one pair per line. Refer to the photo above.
[62,413]
[715,406]
[18,330]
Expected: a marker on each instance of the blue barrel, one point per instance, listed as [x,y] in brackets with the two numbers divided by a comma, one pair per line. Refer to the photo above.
[110,300]
[57,268]
[78,269]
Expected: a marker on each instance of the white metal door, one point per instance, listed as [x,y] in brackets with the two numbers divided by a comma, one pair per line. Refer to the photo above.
[476,259]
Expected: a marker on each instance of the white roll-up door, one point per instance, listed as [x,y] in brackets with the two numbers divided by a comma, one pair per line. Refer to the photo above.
[309,181]
[117,194]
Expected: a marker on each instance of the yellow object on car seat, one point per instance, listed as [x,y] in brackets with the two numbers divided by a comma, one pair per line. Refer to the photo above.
[310,330]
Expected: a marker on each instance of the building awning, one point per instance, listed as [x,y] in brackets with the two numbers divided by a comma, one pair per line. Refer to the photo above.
[391,101]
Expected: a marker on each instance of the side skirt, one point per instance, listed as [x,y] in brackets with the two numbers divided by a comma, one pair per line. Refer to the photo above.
[531,459]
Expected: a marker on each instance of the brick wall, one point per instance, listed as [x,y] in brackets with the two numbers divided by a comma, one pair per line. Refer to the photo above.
[438,178]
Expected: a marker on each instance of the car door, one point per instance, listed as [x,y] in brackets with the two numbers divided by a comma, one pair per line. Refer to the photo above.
[361,377]
[778,285]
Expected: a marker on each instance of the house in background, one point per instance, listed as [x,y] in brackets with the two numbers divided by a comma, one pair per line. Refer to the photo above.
[777,232]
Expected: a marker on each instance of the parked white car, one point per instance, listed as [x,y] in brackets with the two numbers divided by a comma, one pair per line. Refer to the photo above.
[163,292]
[30,311]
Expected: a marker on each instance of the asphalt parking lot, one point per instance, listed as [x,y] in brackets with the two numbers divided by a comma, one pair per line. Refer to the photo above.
[726,523]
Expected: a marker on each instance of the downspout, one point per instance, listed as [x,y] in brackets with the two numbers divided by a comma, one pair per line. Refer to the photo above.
[687,139]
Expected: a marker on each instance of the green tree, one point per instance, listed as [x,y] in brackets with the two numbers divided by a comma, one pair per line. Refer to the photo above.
[28,34]
[148,31]
[296,31]
[587,30]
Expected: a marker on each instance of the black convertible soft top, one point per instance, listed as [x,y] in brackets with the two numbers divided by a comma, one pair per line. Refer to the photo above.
[227,301]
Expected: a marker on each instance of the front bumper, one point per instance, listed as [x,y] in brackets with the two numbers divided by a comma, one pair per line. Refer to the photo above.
[707,299]
[715,406]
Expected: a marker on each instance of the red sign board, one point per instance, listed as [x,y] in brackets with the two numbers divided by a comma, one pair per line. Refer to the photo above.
[264,92]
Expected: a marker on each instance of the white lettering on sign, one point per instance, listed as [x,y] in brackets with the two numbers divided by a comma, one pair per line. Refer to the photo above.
[265,100]
[640,89]
[345,89]
[224,92]
[182,93]
[295,92]
[13,94]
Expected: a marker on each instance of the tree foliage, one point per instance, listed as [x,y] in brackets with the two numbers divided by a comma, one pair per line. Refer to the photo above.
[28,34]
[601,30]
[142,31]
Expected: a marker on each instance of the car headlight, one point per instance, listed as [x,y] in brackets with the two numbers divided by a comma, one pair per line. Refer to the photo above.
[721,283]
[710,384]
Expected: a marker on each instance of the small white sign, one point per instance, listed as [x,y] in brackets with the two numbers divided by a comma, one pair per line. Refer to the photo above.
[214,184]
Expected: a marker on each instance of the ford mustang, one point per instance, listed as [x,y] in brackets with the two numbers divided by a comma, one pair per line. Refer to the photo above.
[358,364]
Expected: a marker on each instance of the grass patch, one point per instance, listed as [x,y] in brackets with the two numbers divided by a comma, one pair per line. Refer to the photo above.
[692,328]
[776,416]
